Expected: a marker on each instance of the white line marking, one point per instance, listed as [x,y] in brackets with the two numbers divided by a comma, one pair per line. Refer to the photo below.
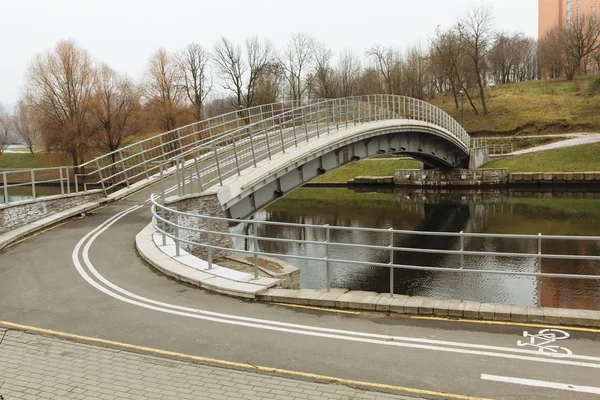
[293,328]
[550,385]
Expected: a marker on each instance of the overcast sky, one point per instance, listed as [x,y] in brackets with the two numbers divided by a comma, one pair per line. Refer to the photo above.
[124,33]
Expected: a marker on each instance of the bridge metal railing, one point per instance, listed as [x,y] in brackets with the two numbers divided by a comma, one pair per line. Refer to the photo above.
[249,144]
[240,138]
[466,250]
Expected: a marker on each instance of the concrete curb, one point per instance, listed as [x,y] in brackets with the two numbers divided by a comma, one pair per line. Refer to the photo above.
[359,300]
[399,304]
[191,270]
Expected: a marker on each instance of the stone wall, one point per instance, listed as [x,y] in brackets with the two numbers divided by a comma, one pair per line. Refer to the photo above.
[554,178]
[18,214]
[203,205]
[453,177]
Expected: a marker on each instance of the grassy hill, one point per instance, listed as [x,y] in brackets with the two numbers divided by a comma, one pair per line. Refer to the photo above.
[535,107]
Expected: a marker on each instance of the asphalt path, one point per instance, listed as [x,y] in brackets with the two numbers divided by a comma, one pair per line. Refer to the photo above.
[85,277]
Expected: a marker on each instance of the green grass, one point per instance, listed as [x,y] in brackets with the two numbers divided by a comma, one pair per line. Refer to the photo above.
[28,160]
[366,168]
[569,159]
[545,106]
[563,206]
[334,197]
[524,142]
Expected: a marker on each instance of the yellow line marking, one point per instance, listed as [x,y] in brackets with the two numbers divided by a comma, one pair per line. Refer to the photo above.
[233,364]
[316,308]
[538,325]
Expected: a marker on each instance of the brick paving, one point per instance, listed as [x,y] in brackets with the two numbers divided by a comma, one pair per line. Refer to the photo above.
[39,367]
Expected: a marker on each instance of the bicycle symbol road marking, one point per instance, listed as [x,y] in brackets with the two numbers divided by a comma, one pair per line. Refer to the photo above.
[544,340]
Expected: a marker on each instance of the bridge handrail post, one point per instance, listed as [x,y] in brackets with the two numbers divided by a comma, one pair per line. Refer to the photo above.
[294,127]
[5,187]
[369,107]
[264,124]
[68,180]
[235,154]
[252,144]
[209,241]
[162,198]
[329,106]
[391,262]
[255,248]
[305,123]
[539,268]
[144,160]
[281,136]
[317,117]
[33,183]
[462,248]
[100,175]
[217,162]
[327,266]
[200,188]
[124,169]
[62,183]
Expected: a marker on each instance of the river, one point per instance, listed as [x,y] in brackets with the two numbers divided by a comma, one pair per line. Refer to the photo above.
[492,211]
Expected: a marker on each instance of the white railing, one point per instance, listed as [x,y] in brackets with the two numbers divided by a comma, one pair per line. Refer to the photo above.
[245,137]
[465,250]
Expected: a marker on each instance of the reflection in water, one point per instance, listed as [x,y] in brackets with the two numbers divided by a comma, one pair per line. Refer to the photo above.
[436,211]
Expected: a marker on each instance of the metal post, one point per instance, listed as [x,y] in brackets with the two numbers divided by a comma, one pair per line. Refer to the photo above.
[76,182]
[5,187]
[162,198]
[252,145]
[281,135]
[237,163]
[123,166]
[305,124]
[391,262]
[217,163]
[209,243]
[191,180]
[33,183]
[144,160]
[267,139]
[178,177]
[255,248]
[346,113]
[68,180]
[328,267]
[318,116]
[200,189]
[462,248]
[327,119]
[540,269]
[60,177]
[177,247]
[294,128]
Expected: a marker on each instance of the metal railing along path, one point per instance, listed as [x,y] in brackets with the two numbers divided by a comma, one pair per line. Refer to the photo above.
[242,138]
[164,220]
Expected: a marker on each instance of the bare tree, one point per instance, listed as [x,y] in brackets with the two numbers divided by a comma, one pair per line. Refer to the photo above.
[348,73]
[323,77]
[115,109]
[297,61]
[26,127]
[60,90]
[415,73]
[5,127]
[269,84]
[195,78]
[389,65]
[582,39]
[161,90]
[552,56]
[240,75]
[476,29]
[228,57]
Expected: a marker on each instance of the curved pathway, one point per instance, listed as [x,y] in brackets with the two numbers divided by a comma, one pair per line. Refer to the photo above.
[85,278]
[576,139]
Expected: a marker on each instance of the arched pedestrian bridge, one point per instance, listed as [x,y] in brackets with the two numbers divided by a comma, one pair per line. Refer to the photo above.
[252,156]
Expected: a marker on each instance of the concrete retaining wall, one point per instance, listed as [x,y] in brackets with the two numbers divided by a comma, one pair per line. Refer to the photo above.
[453,177]
[18,214]
[555,177]
[204,205]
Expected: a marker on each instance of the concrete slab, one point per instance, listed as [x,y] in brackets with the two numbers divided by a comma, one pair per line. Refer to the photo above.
[342,301]
[486,311]
[503,312]
[569,316]
[518,314]
[304,295]
[471,309]
[412,305]
[334,290]
[282,295]
[551,315]
[456,308]
[232,288]
[398,303]
[535,314]
[440,307]
[427,305]
[324,299]
[384,302]
[361,302]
